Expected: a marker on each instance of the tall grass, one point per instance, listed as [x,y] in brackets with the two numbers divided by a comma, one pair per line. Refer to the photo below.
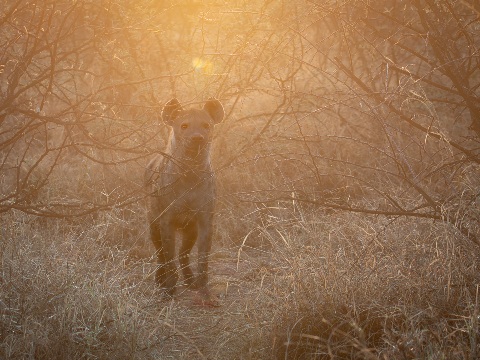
[302,285]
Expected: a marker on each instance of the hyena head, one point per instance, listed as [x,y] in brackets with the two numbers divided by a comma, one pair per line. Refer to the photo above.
[192,128]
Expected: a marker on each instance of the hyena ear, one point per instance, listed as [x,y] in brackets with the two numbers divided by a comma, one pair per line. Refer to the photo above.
[170,111]
[215,109]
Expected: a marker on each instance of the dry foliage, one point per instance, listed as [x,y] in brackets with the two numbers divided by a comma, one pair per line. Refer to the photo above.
[348,212]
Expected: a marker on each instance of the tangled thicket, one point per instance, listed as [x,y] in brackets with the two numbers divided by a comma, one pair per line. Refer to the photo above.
[350,153]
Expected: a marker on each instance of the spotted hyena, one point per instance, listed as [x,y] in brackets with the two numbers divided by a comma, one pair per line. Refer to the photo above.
[181,187]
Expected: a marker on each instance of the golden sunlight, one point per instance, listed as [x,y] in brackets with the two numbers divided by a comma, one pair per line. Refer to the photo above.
[201,65]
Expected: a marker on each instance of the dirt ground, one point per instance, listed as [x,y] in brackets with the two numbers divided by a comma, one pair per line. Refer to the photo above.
[220,328]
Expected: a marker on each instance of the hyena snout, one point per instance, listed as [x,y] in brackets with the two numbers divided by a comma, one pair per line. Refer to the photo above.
[197,138]
[195,143]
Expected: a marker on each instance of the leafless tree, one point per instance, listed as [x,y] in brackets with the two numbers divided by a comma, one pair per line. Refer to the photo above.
[358,106]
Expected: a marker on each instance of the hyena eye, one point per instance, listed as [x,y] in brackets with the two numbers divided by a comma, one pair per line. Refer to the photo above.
[184,126]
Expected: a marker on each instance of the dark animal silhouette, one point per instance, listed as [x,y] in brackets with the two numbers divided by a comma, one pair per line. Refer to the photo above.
[181,188]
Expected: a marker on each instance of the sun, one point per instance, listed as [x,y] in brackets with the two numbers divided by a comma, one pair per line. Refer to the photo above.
[202,65]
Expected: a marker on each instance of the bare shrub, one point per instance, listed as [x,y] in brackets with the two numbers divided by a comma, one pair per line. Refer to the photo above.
[347,170]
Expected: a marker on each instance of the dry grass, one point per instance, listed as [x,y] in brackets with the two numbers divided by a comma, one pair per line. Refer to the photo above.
[313,111]
[321,286]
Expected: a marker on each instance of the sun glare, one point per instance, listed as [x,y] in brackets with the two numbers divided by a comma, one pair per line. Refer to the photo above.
[203,66]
